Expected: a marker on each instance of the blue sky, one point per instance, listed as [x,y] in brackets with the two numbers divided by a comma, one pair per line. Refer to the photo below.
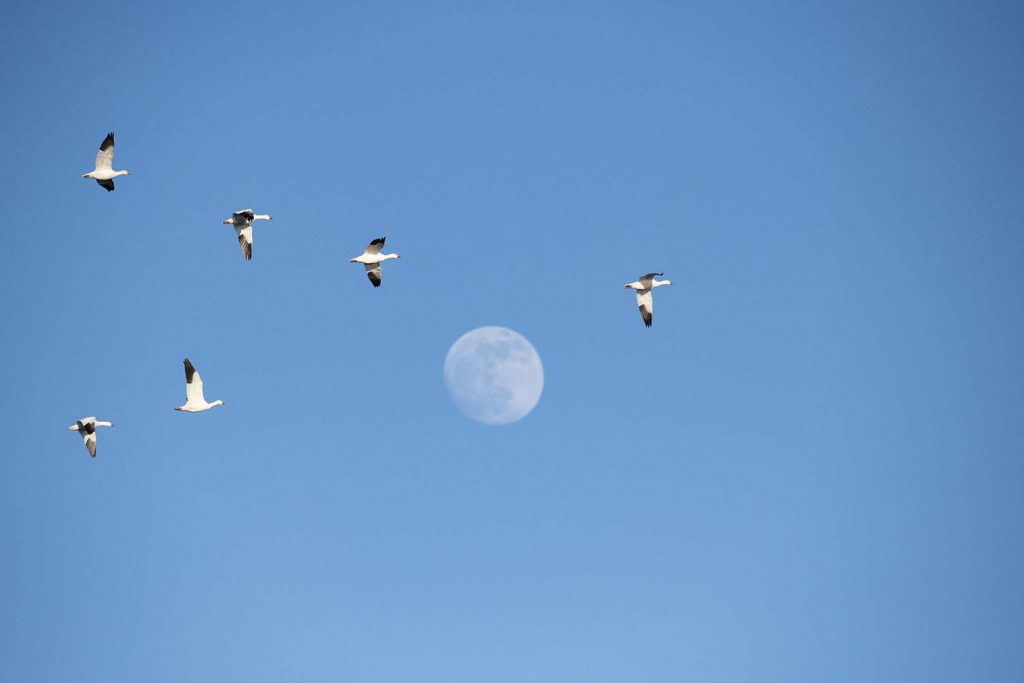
[808,469]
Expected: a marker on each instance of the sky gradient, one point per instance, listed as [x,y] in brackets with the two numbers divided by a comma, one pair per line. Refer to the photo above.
[810,468]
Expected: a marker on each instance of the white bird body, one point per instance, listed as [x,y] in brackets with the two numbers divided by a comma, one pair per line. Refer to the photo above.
[644,288]
[195,402]
[86,426]
[242,221]
[371,258]
[104,172]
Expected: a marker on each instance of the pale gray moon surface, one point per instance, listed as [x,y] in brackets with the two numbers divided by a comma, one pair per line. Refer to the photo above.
[494,375]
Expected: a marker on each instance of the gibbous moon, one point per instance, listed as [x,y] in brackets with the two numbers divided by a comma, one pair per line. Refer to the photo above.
[494,375]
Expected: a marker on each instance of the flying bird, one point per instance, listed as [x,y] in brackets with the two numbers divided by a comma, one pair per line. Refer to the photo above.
[371,259]
[87,428]
[644,295]
[104,172]
[242,220]
[194,400]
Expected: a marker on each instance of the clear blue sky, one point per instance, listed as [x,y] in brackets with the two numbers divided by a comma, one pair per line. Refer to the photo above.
[810,469]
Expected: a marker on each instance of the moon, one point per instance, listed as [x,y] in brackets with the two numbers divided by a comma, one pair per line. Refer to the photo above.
[494,375]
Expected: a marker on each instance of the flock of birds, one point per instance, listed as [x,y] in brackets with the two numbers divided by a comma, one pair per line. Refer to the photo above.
[371,258]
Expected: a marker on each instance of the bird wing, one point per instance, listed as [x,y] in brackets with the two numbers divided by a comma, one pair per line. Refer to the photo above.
[373,272]
[193,384]
[245,214]
[645,300]
[245,239]
[375,246]
[90,443]
[647,279]
[107,185]
[105,157]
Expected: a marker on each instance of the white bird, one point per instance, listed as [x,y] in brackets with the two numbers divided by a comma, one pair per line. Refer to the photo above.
[194,400]
[242,220]
[87,428]
[644,297]
[371,259]
[104,172]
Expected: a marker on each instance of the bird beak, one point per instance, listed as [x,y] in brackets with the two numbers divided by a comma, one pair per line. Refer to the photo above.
[351,260]
[226,222]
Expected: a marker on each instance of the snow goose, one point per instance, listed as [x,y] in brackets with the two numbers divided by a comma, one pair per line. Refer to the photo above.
[371,259]
[644,297]
[194,400]
[87,428]
[242,220]
[104,172]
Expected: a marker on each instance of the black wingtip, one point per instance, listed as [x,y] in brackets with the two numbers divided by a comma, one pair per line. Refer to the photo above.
[246,247]
[647,317]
